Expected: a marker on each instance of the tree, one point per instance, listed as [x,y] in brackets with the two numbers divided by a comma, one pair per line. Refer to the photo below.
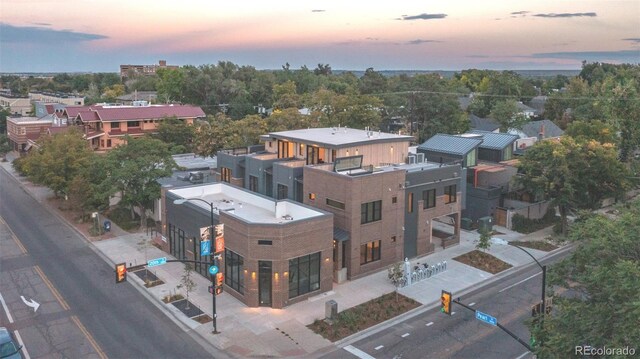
[484,242]
[600,279]
[372,82]
[507,114]
[58,160]
[113,92]
[187,282]
[133,170]
[572,174]
[170,84]
[592,130]
[176,134]
[396,275]
[285,95]
[4,112]
[4,146]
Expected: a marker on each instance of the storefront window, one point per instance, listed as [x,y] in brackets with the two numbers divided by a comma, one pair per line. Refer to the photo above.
[304,274]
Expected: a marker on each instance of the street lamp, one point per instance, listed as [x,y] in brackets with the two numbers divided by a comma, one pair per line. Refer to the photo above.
[213,261]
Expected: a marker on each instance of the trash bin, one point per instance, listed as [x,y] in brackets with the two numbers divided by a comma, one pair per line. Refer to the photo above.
[485,223]
[330,309]
[107,226]
[466,223]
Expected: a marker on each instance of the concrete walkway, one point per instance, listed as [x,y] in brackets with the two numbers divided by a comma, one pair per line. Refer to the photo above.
[266,332]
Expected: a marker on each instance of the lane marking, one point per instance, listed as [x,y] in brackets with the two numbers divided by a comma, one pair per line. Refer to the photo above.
[23,350]
[453,313]
[53,290]
[405,335]
[6,309]
[522,281]
[429,324]
[86,333]
[357,352]
[522,356]
[379,347]
[472,304]
[13,235]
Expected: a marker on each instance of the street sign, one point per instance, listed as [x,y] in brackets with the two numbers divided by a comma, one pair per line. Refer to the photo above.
[213,270]
[486,318]
[205,248]
[157,262]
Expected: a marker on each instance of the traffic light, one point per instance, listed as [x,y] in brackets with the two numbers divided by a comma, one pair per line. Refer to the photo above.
[218,290]
[121,272]
[445,300]
[219,279]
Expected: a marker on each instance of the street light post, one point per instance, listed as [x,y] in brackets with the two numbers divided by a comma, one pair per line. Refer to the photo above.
[213,260]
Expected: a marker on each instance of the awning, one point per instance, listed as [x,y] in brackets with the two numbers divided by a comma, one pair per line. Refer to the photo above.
[340,235]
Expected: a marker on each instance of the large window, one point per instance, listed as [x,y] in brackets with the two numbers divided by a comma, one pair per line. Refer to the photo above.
[472,158]
[133,123]
[253,183]
[234,271]
[410,203]
[370,252]
[304,274]
[371,212]
[335,204]
[225,174]
[450,194]
[429,198]
[283,191]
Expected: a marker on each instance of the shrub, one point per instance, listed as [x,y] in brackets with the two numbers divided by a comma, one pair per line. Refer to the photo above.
[525,225]
[122,218]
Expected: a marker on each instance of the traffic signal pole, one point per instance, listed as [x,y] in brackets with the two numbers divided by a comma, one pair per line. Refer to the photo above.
[457,301]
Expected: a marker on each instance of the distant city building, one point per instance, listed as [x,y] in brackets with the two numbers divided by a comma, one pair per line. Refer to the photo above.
[17,105]
[56,97]
[144,69]
[129,99]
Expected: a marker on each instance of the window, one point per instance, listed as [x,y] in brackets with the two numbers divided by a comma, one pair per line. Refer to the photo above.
[335,204]
[393,239]
[429,198]
[304,274]
[283,191]
[101,143]
[133,123]
[333,155]
[394,199]
[312,196]
[370,212]
[253,183]
[234,271]
[370,252]
[115,125]
[450,194]
[225,174]
[108,143]
[264,242]
[472,158]
[301,150]
[410,203]
[508,153]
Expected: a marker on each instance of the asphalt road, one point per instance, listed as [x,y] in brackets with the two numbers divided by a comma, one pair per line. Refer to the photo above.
[436,335]
[84,306]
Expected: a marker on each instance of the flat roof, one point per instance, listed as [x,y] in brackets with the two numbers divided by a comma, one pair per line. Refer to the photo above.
[193,161]
[337,136]
[31,120]
[246,205]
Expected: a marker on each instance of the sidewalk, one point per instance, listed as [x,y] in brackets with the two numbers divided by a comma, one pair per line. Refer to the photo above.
[266,332]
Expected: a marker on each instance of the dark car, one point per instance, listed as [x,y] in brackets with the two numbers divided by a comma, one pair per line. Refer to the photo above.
[8,347]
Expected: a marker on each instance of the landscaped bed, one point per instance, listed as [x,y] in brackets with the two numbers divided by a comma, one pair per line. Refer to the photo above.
[539,245]
[483,261]
[363,316]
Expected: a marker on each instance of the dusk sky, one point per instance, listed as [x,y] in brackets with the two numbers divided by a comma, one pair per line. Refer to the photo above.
[99,35]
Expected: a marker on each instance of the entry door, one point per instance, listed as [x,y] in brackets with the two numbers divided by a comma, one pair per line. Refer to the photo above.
[264,283]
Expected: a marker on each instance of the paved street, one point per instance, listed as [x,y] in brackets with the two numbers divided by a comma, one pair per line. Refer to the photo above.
[83,312]
[436,335]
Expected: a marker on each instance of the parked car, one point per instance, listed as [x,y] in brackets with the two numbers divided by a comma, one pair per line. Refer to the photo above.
[9,349]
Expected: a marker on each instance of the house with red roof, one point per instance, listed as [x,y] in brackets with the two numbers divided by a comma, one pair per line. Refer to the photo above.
[105,126]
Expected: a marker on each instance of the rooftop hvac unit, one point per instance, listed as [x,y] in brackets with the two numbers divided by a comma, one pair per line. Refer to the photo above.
[411,159]
[420,157]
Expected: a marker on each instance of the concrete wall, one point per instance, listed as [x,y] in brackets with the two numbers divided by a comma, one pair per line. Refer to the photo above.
[529,210]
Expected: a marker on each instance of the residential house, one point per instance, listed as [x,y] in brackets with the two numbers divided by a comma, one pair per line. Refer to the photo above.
[105,126]
[534,131]
[483,124]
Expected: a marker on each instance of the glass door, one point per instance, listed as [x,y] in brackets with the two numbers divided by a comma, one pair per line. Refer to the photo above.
[264,283]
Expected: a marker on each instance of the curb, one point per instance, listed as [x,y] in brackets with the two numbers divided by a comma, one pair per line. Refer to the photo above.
[426,307]
[137,285]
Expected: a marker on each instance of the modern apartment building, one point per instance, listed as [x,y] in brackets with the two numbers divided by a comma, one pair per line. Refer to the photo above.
[105,126]
[276,253]
[383,207]
[144,69]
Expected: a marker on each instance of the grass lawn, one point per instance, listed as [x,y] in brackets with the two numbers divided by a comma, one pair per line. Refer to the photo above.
[539,245]
[363,316]
[483,261]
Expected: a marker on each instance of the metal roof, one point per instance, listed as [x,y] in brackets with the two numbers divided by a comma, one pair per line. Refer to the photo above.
[495,141]
[451,144]
[482,124]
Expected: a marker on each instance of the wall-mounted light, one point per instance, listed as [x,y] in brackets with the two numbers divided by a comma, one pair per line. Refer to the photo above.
[326,259]
[276,275]
[347,152]
[253,275]
[286,274]
[391,149]
[357,152]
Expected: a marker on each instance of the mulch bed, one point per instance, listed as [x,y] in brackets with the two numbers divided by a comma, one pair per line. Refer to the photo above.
[202,319]
[363,316]
[539,245]
[191,312]
[168,299]
[149,278]
[483,261]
